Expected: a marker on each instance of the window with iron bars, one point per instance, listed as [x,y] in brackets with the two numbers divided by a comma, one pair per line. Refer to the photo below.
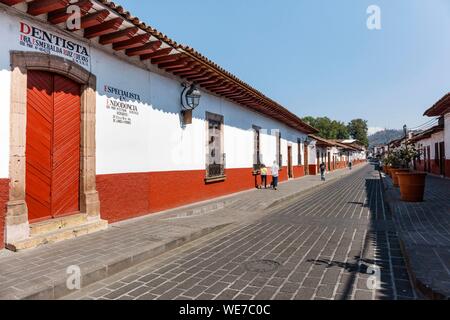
[215,160]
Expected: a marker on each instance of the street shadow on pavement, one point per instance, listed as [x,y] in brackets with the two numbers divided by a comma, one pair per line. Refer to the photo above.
[380,254]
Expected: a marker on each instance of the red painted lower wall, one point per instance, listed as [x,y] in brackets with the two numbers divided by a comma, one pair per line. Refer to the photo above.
[299,171]
[435,169]
[312,170]
[125,196]
[4,196]
[173,189]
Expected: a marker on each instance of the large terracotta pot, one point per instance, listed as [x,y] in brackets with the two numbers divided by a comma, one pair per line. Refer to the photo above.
[390,171]
[412,186]
[394,173]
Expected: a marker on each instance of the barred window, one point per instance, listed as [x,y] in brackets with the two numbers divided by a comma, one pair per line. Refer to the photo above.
[215,160]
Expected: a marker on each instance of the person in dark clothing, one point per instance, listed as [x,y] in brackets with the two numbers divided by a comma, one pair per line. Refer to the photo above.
[323,167]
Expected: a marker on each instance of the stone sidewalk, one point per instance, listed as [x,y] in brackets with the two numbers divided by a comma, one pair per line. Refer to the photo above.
[41,273]
[424,231]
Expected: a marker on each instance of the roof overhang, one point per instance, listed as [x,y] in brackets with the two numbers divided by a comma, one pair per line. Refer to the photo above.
[440,108]
[427,134]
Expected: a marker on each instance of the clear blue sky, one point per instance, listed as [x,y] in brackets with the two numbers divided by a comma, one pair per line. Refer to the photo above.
[317,57]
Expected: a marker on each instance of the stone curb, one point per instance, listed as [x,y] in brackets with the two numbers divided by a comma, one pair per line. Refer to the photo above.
[95,273]
[424,289]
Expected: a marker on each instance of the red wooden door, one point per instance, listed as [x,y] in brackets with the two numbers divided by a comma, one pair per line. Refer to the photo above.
[306,157]
[53,146]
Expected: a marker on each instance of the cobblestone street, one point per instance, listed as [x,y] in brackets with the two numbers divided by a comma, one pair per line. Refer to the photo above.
[323,245]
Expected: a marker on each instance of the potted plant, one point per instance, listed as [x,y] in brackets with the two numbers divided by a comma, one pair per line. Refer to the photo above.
[412,184]
[400,160]
[391,162]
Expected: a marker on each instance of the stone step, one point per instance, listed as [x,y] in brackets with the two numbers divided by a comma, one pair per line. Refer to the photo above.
[59,235]
[56,224]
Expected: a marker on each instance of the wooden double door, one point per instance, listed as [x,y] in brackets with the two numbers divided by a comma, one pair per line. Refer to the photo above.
[53,138]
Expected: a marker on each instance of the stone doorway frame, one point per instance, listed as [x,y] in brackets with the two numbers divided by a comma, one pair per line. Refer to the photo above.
[17,225]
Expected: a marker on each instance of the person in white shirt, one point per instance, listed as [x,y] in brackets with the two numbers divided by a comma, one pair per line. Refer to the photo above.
[275,172]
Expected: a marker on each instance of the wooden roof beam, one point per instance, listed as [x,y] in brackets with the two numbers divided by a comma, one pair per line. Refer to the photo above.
[157,54]
[61,15]
[178,63]
[201,76]
[218,86]
[145,49]
[191,71]
[118,36]
[168,58]
[104,28]
[11,2]
[206,82]
[226,90]
[132,43]
[94,19]
[214,80]
[188,66]
[39,7]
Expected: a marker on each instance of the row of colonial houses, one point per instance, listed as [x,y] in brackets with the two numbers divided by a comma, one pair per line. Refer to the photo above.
[112,120]
[432,141]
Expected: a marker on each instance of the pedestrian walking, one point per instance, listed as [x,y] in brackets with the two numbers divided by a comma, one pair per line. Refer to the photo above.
[323,167]
[350,165]
[264,176]
[275,172]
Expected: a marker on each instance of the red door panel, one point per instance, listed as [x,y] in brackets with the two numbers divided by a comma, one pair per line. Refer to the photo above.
[53,146]
[66,150]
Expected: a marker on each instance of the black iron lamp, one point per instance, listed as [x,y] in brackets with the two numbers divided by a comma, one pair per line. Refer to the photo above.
[190,99]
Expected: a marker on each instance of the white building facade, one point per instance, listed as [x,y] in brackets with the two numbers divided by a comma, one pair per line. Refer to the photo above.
[91,129]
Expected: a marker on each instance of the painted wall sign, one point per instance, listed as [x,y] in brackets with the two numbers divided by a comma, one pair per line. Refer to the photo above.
[123,104]
[37,39]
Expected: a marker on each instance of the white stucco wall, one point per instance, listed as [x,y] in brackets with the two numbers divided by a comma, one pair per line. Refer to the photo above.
[155,141]
[430,142]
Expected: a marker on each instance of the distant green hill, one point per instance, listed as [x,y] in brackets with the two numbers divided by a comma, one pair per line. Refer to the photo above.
[384,137]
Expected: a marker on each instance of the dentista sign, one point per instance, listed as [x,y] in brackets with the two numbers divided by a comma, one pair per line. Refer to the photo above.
[35,38]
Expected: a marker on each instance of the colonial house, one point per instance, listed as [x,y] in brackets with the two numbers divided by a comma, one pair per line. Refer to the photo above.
[434,143]
[105,118]
[335,154]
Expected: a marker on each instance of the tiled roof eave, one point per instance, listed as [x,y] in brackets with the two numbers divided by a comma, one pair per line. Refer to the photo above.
[439,108]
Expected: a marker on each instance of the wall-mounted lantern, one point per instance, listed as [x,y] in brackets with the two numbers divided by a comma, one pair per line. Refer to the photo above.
[190,99]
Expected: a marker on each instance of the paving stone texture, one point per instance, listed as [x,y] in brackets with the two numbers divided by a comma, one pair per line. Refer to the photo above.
[330,243]
[42,273]
[424,230]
